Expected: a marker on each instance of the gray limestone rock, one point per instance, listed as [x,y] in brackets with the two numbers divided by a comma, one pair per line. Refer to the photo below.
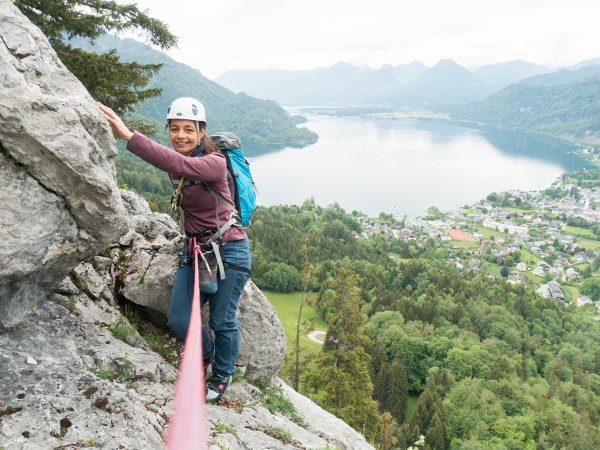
[134,204]
[87,279]
[56,393]
[149,279]
[262,346]
[329,427]
[67,287]
[59,199]
[61,401]
[102,263]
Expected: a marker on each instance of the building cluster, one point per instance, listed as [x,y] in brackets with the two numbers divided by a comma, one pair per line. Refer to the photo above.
[549,255]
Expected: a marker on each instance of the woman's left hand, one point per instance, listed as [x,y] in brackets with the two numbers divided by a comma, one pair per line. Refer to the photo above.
[119,129]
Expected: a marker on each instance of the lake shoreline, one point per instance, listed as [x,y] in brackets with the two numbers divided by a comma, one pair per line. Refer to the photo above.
[443,163]
[583,149]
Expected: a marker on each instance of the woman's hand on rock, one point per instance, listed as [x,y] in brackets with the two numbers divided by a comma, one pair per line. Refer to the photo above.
[119,129]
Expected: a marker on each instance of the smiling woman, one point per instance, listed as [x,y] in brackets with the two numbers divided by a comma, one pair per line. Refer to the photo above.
[198,169]
[184,135]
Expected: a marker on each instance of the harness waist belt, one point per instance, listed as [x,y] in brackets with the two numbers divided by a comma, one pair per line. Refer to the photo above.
[202,234]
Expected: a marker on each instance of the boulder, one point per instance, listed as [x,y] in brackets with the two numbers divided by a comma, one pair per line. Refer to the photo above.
[262,344]
[147,272]
[147,268]
[60,203]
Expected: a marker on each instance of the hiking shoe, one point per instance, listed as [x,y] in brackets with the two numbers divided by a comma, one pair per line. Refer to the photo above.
[215,387]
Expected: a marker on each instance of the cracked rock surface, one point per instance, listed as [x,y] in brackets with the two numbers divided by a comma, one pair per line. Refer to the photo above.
[59,199]
[55,393]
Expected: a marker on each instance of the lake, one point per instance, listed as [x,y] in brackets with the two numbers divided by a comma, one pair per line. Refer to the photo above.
[404,167]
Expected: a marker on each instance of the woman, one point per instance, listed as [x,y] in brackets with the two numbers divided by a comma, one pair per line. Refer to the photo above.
[195,165]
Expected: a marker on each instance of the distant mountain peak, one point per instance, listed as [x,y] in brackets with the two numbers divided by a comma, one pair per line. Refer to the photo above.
[587,62]
[447,67]
[447,63]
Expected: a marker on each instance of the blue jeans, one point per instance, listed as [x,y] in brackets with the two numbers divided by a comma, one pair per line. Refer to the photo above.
[223,306]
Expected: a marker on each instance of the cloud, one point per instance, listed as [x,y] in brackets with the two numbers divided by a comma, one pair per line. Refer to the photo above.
[294,34]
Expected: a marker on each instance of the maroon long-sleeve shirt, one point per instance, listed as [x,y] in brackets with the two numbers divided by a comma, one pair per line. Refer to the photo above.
[199,205]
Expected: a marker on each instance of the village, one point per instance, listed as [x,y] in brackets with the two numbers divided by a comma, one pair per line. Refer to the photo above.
[541,238]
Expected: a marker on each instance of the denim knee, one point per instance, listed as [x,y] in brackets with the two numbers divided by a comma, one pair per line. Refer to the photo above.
[178,326]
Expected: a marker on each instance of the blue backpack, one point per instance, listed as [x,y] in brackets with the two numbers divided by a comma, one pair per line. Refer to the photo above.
[241,185]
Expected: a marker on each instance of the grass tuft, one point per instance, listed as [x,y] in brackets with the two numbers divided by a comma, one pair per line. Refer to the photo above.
[121,329]
[279,433]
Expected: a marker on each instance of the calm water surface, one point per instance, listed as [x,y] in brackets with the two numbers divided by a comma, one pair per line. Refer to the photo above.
[404,167]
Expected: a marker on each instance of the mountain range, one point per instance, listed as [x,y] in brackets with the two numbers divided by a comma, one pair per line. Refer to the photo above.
[413,84]
[517,94]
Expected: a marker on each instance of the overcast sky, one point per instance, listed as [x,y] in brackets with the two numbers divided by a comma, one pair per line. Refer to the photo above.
[216,36]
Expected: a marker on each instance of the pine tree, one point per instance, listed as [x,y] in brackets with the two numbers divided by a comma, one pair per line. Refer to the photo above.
[339,376]
[428,416]
[115,83]
[391,390]
[387,438]
[424,410]
[436,433]
[308,272]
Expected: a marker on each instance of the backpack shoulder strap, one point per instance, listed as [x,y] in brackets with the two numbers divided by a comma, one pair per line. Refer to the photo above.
[221,197]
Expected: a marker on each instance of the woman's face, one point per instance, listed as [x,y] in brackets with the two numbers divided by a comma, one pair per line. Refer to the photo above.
[184,135]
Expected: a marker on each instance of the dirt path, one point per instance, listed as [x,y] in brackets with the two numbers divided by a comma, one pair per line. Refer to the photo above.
[317,336]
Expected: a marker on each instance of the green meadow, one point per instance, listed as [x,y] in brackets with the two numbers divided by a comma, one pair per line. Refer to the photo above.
[529,258]
[287,306]
[488,233]
[589,244]
[579,231]
[455,243]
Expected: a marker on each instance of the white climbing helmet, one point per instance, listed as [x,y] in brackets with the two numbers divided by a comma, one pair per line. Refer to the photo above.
[187,108]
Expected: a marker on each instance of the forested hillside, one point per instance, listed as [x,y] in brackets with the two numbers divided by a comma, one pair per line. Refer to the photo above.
[493,365]
[565,104]
[261,124]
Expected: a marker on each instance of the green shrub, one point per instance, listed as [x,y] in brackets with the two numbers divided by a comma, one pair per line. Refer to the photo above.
[276,402]
[279,433]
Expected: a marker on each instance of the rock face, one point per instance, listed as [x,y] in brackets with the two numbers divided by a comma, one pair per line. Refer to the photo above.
[262,346]
[59,201]
[148,259]
[74,372]
[56,392]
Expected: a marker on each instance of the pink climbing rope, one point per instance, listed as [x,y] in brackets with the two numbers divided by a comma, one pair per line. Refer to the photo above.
[188,427]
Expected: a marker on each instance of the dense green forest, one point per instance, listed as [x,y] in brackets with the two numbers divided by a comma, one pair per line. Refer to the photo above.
[139,176]
[493,365]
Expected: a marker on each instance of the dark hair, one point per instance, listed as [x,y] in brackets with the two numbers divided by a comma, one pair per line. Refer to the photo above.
[209,145]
